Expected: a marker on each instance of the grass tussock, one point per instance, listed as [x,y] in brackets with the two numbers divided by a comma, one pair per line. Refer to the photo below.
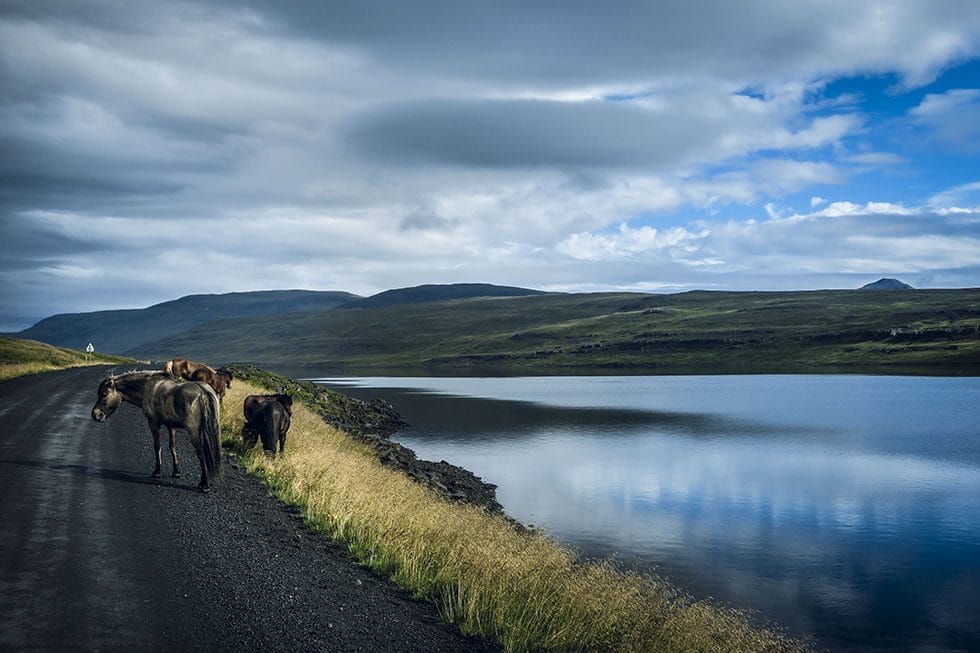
[516,587]
[20,357]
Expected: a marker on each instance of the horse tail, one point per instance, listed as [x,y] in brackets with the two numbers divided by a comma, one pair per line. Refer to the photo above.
[210,433]
[269,430]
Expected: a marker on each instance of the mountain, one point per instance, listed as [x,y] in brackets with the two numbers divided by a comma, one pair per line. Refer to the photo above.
[121,330]
[700,331]
[887,284]
[439,293]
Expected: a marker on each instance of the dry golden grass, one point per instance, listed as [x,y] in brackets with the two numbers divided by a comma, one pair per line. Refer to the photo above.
[519,588]
[12,370]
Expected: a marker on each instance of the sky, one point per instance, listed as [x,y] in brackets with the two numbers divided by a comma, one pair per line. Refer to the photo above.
[154,150]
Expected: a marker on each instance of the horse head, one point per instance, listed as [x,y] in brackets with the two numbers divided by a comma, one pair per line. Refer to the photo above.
[225,374]
[108,400]
[286,401]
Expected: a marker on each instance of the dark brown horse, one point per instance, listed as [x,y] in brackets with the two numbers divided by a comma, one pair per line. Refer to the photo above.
[181,368]
[268,417]
[219,380]
[171,404]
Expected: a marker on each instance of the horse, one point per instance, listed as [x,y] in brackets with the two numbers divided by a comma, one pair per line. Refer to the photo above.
[270,417]
[219,380]
[181,368]
[171,404]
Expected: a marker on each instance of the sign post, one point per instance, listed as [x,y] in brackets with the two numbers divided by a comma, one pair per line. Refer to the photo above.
[88,352]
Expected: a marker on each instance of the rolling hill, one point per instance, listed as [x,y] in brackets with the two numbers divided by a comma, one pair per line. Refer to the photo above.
[19,357]
[121,330]
[547,333]
[124,330]
[438,293]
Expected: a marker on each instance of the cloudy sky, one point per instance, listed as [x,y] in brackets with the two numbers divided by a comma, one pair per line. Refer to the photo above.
[152,150]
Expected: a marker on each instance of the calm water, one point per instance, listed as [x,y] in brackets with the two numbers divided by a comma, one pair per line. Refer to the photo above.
[846,508]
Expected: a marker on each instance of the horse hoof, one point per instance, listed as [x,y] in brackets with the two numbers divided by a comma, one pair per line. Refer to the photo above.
[203,489]
[156,474]
[176,474]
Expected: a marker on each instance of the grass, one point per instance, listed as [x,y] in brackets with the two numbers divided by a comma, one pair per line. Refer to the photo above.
[518,588]
[22,357]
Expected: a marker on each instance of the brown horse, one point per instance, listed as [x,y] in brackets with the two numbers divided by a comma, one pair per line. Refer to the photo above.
[181,368]
[219,380]
[270,417]
[171,404]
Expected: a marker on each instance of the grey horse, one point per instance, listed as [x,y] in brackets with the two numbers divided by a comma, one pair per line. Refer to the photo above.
[172,404]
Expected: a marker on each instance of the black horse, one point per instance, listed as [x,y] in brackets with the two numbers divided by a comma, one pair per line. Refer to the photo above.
[270,417]
[172,404]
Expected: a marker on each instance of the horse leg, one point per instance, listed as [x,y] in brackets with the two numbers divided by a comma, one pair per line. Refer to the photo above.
[173,451]
[204,485]
[158,470]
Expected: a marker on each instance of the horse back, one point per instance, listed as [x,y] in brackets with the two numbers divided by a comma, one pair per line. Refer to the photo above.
[181,368]
[175,403]
[218,380]
[252,406]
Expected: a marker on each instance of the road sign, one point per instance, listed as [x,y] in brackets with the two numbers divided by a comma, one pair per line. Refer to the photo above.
[90,348]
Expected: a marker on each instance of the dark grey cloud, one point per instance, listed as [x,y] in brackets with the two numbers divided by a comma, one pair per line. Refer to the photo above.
[687,126]
[583,42]
[29,243]
[36,176]
[423,220]
[528,133]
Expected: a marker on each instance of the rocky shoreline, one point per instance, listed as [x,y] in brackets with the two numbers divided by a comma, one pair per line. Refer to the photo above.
[373,423]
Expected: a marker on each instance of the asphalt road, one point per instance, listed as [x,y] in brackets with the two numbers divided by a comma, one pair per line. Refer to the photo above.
[96,555]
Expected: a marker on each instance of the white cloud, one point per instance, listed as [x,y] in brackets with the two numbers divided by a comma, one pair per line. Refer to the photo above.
[954,117]
[627,242]
[876,159]
[964,195]
[837,209]
[841,240]
[942,104]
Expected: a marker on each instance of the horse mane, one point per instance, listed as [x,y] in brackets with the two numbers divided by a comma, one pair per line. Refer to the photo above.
[134,372]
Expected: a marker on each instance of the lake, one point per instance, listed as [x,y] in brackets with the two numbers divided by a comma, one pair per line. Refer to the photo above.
[843,508]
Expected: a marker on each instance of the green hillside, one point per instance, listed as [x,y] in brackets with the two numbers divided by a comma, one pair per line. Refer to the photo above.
[439,292]
[120,330]
[696,331]
[19,357]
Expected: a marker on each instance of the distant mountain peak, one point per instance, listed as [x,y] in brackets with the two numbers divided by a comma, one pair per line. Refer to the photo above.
[438,293]
[887,284]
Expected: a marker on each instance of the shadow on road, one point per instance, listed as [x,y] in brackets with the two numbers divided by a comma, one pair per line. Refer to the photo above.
[95,472]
